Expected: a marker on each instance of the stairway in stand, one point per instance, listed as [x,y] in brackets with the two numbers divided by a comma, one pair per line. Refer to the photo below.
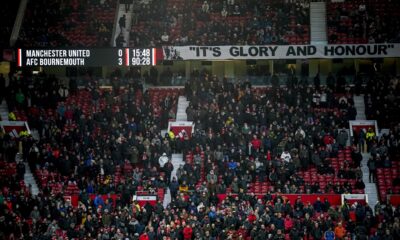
[29,180]
[318,22]
[28,177]
[370,188]
[128,23]
[177,159]
[4,111]
[360,106]
[183,103]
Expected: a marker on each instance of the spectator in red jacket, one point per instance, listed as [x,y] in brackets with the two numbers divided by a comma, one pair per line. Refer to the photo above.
[187,232]
[144,236]
[256,143]
[288,223]
[328,140]
[252,217]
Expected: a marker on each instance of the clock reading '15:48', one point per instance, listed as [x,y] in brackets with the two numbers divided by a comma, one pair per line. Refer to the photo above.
[136,56]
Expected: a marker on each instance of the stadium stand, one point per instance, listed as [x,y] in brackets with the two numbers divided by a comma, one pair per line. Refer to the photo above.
[381,104]
[180,22]
[368,21]
[60,162]
[263,162]
[73,23]
[233,131]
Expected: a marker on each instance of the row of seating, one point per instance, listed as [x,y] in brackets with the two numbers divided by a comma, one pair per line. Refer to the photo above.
[388,180]
[75,23]
[204,20]
[310,176]
[7,169]
[361,22]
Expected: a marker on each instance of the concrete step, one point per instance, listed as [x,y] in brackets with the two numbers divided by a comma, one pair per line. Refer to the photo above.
[318,9]
[318,33]
[28,176]
[359,104]
[316,16]
[318,22]
[177,160]
[30,180]
[370,188]
[167,198]
[163,132]
[318,37]
[319,41]
[183,104]
[181,118]
[317,4]
[365,169]
[317,27]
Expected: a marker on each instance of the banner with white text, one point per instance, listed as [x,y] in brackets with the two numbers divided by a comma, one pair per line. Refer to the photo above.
[281,52]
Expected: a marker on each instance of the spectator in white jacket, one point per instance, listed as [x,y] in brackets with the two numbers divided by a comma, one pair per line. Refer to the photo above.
[285,156]
[163,160]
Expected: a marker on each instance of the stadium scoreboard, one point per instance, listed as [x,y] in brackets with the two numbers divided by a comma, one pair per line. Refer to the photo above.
[89,57]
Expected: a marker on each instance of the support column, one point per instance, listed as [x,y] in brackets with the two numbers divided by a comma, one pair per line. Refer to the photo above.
[271,67]
[229,69]
[187,70]
[356,65]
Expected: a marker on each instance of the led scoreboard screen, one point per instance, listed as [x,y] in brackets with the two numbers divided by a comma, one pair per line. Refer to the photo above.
[89,57]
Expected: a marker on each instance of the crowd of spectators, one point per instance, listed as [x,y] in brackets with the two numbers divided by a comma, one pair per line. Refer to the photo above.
[363,22]
[187,22]
[108,142]
[82,146]
[67,23]
[274,133]
[382,101]
[381,104]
